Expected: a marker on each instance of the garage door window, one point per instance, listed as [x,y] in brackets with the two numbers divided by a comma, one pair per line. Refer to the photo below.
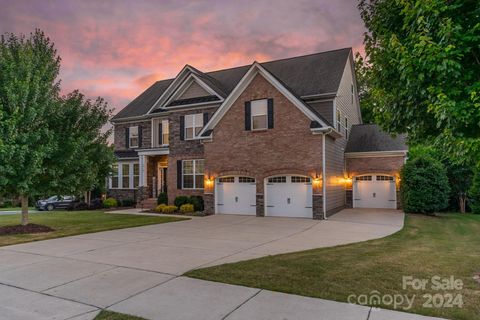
[384,178]
[246,180]
[297,179]
[364,178]
[277,180]
[226,180]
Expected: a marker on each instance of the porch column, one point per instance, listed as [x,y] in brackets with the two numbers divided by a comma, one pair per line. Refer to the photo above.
[143,171]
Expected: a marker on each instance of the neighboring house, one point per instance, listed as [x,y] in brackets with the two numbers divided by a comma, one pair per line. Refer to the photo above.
[280,138]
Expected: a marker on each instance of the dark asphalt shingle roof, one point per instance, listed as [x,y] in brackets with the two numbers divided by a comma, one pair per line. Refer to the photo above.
[370,137]
[126,154]
[312,74]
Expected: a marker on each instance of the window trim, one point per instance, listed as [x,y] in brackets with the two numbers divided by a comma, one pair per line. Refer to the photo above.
[165,132]
[120,176]
[266,115]
[195,126]
[130,145]
[194,174]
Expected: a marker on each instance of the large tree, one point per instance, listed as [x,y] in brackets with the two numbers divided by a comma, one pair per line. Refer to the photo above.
[424,59]
[49,144]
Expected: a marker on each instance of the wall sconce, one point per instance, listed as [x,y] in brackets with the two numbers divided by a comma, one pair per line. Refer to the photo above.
[317,179]
[209,180]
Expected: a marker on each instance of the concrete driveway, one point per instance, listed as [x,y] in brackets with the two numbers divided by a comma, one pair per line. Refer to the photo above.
[130,270]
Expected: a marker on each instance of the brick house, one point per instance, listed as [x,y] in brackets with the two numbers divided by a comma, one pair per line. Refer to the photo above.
[280,138]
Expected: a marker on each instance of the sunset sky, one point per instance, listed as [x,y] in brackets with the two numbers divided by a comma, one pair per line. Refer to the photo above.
[116,49]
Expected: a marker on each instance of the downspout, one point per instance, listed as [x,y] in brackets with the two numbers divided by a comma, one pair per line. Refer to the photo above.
[324,174]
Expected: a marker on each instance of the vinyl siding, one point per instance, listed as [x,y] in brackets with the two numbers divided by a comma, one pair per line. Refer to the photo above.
[323,108]
[193,91]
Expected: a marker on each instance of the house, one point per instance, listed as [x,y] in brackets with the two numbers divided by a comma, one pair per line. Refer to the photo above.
[279,138]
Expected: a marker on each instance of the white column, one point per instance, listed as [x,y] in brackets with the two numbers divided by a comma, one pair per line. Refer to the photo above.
[143,171]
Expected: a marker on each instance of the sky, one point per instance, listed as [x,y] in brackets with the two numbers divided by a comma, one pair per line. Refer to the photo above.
[117,48]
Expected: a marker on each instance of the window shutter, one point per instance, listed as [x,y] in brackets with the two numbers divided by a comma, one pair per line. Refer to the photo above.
[139,136]
[160,133]
[182,127]
[205,118]
[179,174]
[127,138]
[270,113]
[248,124]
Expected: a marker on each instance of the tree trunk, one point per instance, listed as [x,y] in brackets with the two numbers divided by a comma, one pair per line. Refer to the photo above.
[24,201]
[462,202]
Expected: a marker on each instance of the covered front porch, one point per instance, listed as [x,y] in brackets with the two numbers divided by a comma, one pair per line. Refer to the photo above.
[153,165]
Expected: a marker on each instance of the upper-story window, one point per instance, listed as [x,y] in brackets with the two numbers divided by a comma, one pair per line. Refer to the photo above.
[165,132]
[339,120]
[160,132]
[346,127]
[259,114]
[193,125]
[353,92]
[133,137]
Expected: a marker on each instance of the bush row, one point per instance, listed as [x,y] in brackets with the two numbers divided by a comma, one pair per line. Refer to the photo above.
[195,201]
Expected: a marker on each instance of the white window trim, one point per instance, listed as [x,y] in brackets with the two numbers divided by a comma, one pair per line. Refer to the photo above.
[130,176]
[252,115]
[193,174]
[193,115]
[130,145]
[165,121]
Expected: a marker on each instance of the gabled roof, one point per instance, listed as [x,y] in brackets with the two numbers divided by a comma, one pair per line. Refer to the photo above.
[307,75]
[371,138]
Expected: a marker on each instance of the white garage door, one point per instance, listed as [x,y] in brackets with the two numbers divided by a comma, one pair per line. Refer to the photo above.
[236,195]
[374,191]
[289,196]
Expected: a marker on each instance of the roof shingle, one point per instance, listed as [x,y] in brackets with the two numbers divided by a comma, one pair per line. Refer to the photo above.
[371,138]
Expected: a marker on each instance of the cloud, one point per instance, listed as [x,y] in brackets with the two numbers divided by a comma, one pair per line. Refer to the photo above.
[116,49]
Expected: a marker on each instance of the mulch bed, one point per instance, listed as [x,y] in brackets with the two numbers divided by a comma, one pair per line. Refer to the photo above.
[29,228]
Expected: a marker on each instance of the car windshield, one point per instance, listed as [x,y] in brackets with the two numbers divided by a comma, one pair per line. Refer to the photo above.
[53,198]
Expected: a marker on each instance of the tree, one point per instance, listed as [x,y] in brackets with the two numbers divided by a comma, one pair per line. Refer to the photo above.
[475,191]
[367,101]
[425,70]
[49,143]
[424,185]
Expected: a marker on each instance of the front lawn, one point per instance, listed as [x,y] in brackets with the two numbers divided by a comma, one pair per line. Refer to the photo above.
[446,246]
[15,209]
[69,223]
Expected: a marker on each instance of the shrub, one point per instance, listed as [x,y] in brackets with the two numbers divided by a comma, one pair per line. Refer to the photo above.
[424,185]
[181,200]
[197,202]
[169,209]
[162,198]
[110,203]
[187,208]
[474,191]
[160,207]
[127,203]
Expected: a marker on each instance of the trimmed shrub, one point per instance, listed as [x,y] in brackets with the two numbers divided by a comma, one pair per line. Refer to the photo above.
[197,202]
[187,208]
[169,209]
[181,200]
[424,185]
[160,207]
[474,191]
[110,203]
[127,203]
[162,198]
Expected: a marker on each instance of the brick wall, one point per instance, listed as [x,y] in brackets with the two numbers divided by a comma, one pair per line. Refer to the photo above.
[387,165]
[120,136]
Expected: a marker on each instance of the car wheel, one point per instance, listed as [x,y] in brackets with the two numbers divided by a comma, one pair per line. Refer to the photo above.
[50,207]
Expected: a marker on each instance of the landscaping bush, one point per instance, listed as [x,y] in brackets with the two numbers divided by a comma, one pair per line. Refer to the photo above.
[424,185]
[181,200]
[197,202]
[160,207]
[169,209]
[127,203]
[187,208]
[475,191]
[110,203]
[162,198]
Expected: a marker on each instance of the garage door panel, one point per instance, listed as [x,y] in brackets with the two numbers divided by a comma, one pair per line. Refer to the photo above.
[289,196]
[236,195]
[374,191]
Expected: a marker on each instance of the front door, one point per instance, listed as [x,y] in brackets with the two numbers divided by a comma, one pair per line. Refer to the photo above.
[161,179]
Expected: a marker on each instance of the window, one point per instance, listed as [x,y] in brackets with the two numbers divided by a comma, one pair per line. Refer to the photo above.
[125,175]
[259,111]
[363,178]
[297,179]
[193,125]
[384,178]
[165,132]
[114,181]
[246,180]
[277,180]
[339,120]
[133,137]
[226,180]
[353,92]
[192,174]
[346,127]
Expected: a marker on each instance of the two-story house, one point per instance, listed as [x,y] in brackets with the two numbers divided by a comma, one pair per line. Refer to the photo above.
[279,138]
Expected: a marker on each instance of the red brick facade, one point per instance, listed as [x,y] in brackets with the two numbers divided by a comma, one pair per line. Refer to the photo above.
[364,165]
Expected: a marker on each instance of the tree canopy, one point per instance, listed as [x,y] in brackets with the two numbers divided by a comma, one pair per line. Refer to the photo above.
[424,70]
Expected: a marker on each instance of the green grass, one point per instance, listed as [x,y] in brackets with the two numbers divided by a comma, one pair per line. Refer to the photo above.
[69,223]
[109,315]
[427,246]
[15,209]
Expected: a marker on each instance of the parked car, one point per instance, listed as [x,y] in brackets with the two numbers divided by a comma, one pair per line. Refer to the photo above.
[55,202]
